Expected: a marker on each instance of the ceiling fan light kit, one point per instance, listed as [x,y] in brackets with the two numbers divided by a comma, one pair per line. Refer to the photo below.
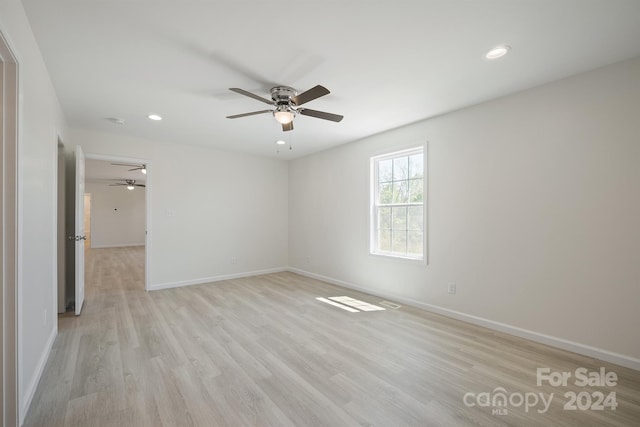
[283,115]
[129,183]
[287,103]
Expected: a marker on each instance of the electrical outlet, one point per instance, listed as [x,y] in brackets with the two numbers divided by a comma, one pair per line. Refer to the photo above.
[451,288]
[233,260]
[44,318]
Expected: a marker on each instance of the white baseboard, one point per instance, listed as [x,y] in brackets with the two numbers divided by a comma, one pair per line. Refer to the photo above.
[203,280]
[127,245]
[586,350]
[30,390]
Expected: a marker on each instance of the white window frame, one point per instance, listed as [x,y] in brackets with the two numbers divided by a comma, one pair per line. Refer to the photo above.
[374,197]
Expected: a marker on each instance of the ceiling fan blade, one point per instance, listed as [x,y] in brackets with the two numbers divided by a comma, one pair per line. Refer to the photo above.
[113,185]
[139,185]
[288,126]
[248,114]
[310,95]
[124,164]
[320,114]
[251,95]
[136,169]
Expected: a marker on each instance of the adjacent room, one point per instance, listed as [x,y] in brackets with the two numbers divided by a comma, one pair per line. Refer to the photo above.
[420,213]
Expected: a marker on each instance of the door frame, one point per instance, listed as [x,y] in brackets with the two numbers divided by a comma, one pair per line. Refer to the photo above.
[78,229]
[61,231]
[147,204]
[9,201]
[90,197]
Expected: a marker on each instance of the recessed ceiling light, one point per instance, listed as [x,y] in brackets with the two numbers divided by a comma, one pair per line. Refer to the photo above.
[497,52]
[280,142]
[154,117]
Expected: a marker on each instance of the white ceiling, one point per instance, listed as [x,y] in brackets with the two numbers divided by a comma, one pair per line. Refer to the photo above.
[386,63]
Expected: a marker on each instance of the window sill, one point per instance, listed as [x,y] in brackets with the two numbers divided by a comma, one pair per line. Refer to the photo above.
[399,258]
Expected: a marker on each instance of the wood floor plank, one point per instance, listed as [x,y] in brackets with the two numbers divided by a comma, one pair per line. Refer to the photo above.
[262,351]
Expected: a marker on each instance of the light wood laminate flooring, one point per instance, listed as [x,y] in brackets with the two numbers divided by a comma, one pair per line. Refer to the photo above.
[262,351]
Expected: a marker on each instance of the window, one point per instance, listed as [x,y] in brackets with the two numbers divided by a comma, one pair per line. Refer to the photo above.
[398,204]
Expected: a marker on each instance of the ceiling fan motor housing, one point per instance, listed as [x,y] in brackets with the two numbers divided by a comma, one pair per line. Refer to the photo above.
[282,95]
[285,110]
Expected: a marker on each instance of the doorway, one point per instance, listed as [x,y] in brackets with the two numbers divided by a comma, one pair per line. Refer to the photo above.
[117,205]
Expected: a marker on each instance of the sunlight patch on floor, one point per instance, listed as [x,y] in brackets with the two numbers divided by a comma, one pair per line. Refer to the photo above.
[350,304]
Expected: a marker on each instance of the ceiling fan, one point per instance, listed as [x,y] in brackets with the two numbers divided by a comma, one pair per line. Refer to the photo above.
[287,102]
[129,183]
[142,168]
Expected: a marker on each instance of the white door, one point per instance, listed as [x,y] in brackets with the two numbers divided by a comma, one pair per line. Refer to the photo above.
[80,236]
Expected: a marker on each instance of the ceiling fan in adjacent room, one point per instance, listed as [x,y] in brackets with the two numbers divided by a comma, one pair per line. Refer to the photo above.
[287,102]
[129,183]
[142,168]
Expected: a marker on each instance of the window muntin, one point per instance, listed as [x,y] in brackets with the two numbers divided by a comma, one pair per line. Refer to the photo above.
[398,204]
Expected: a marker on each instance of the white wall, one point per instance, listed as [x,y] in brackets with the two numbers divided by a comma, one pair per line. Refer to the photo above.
[117,215]
[41,120]
[533,211]
[207,207]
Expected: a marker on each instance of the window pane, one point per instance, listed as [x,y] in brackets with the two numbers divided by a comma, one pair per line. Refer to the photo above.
[414,218]
[384,218]
[400,191]
[384,240]
[385,170]
[415,190]
[416,166]
[385,193]
[414,243]
[400,168]
[399,218]
[399,242]
[398,208]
